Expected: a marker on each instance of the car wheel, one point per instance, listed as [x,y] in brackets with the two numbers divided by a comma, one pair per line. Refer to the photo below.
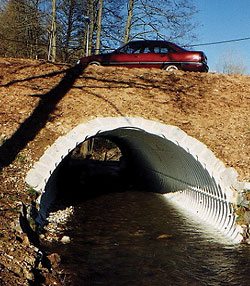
[171,68]
[94,64]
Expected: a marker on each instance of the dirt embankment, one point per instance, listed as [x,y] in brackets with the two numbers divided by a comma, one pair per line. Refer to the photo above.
[40,101]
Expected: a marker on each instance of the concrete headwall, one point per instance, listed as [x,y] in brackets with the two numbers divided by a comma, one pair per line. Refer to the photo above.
[166,156]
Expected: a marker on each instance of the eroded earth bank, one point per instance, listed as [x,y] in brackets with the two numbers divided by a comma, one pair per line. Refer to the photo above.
[40,101]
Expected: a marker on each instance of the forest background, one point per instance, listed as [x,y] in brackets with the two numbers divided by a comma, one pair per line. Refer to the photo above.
[64,30]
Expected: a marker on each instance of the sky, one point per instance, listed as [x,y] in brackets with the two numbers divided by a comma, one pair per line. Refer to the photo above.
[222,20]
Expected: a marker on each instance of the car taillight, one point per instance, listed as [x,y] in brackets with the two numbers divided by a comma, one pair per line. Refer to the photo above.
[197,57]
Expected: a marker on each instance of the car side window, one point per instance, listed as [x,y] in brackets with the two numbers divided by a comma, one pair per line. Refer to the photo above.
[161,49]
[149,49]
[126,50]
[157,50]
[130,49]
[164,50]
[137,50]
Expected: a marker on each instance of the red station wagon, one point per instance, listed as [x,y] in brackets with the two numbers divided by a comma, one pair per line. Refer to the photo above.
[150,54]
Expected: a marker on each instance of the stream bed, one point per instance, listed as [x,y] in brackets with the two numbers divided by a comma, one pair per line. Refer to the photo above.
[139,238]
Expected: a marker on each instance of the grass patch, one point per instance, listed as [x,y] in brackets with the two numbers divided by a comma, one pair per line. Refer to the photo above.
[14,210]
[239,211]
[13,198]
[2,141]
[20,158]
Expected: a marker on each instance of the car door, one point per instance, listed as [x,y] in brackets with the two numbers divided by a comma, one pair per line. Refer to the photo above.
[125,60]
[126,56]
[154,56]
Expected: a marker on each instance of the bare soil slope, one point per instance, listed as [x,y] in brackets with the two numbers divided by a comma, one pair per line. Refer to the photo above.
[40,101]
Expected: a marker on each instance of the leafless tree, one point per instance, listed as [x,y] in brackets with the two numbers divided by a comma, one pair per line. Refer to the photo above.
[99,26]
[160,19]
[21,31]
[113,21]
[53,31]
[231,63]
[130,7]
[76,27]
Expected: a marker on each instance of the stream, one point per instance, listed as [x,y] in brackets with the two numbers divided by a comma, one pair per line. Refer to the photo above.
[139,238]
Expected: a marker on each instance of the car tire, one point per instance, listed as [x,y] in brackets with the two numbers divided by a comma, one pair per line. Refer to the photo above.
[94,63]
[171,68]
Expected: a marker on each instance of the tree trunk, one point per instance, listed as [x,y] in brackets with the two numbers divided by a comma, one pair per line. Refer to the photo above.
[36,30]
[53,36]
[69,29]
[99,28]
[91,26]
[129,18]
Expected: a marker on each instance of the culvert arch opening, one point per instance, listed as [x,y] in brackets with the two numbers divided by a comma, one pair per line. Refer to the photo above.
[95,167]
[159,157]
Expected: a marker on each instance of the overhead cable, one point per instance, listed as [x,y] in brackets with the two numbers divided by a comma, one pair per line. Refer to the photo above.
[219,42]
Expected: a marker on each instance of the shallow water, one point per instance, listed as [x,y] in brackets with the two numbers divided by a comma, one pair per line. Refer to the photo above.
[139,238]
